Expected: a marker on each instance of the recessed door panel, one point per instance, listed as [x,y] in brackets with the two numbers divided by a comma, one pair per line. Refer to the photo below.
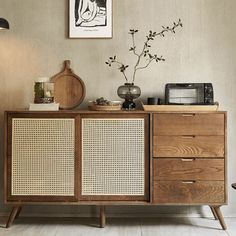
[43,156]
[113,158]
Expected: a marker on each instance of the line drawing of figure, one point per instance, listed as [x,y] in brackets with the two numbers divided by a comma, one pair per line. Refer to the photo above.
[90,13]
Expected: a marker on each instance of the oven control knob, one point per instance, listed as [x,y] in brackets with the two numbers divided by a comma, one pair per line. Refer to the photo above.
[209,101]
[208,90]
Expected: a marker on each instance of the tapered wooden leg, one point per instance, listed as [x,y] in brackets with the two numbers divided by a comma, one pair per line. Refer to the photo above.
[220,217]
[214,213]
[18,212]
[14,212]
[102,217]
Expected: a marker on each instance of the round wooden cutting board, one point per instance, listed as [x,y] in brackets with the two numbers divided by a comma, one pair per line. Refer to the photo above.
[69,89]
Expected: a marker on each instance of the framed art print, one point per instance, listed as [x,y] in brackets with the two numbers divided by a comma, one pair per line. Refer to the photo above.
[90,19]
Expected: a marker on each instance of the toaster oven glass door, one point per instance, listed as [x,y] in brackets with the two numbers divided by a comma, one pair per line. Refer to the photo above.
[183,96]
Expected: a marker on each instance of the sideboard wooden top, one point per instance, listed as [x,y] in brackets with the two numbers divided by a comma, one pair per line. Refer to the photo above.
[107,112]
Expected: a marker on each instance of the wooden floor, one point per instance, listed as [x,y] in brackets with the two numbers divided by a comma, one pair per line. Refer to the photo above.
[119,227]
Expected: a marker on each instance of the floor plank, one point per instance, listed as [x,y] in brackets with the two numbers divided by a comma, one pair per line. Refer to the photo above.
[25,226]
[181,227]
[231,226]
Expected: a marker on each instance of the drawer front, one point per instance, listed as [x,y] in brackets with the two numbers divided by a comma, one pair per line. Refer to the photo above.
[179,192]
[188,169]
[188,124]
[188,146]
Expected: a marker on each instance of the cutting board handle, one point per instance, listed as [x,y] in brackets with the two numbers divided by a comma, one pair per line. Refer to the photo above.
[67,66]
[69,89]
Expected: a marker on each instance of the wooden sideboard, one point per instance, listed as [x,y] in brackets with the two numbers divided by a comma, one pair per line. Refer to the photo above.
[115,158]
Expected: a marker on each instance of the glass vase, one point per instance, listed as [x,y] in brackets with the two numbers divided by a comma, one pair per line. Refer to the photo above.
[129,92]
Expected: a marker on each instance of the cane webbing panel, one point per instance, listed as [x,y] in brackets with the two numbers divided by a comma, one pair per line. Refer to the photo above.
[43,157]
[113,157]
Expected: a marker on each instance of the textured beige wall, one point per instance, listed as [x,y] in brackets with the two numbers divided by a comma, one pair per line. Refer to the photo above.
[203,51]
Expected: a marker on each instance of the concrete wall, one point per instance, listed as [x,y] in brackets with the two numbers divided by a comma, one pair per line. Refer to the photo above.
[204,50]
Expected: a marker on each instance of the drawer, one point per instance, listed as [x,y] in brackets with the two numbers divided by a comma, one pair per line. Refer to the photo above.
[188,146]
[188,169]
[188,124]
[180,192]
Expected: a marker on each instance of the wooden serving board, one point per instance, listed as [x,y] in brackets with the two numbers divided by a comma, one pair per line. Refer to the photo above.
[104,108]
[69,89]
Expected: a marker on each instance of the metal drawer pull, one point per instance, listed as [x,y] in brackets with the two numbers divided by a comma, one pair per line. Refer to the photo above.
[188,136]
[188,159]
[188,182]
[188,115]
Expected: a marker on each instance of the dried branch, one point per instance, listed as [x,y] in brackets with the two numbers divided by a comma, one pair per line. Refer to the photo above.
[121,67]
[133,48]
[145,50]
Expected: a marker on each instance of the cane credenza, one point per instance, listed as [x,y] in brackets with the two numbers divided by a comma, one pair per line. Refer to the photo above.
[115,158]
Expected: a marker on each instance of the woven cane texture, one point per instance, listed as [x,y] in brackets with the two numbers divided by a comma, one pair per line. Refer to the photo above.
[43,157]
[113,157]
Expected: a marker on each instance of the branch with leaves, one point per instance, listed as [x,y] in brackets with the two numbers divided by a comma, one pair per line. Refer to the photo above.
[145,52]
[121,66]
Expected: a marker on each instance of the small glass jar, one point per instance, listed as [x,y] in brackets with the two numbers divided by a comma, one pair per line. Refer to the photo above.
[43,91]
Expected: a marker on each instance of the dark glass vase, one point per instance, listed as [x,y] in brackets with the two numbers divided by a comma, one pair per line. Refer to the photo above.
[129,92]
